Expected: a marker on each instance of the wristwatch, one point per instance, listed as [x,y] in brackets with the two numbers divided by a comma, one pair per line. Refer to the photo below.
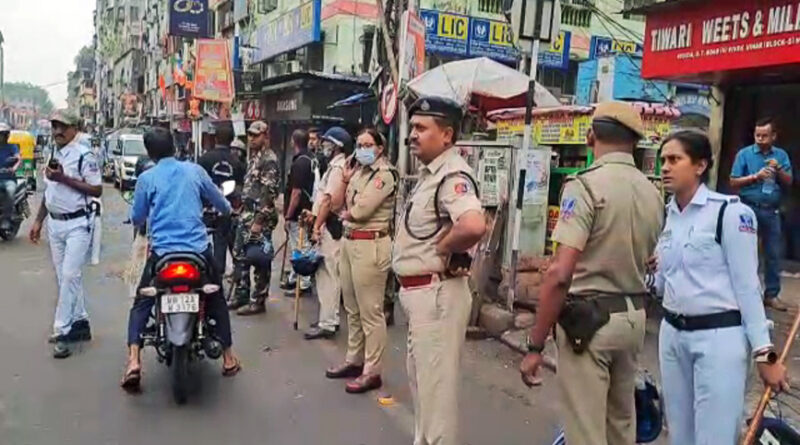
[769,357]
[536,349]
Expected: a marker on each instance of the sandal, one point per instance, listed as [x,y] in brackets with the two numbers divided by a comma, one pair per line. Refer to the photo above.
[233,370]
[131,381]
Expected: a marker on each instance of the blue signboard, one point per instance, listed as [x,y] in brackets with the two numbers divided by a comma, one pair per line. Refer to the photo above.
[446,33]
[294,29]
[603,46]
[556,55]
[491,38]
[189,18]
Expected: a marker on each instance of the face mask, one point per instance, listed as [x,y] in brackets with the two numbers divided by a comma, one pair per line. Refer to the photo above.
[327,151]
[365,156]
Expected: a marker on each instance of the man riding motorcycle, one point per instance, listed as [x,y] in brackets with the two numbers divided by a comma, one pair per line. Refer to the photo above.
[169,198]
[9,162]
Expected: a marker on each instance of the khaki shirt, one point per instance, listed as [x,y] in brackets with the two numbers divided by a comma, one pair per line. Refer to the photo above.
[457,196]
[370,197]
[616,232]
[330,181]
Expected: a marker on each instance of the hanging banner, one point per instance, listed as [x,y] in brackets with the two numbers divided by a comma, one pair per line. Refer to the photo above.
[711,37]
[294,29]
[556,55]
[213,79]
[189,18]
[412,47]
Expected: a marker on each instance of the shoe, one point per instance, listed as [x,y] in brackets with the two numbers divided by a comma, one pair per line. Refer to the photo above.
[316,324]
[344,371]
[236,304]
[317,332]
[80,331]
[363,383]
[61,350]
[285,285]
[55,338]
[252,309]
[776,303]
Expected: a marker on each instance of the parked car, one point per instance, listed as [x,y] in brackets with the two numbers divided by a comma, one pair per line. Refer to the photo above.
[126,149]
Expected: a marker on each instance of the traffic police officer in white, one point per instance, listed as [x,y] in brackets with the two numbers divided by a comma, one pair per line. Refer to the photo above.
[714,324]
[72,178]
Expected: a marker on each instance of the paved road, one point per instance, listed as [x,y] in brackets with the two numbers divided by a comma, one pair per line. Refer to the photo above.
[280,398]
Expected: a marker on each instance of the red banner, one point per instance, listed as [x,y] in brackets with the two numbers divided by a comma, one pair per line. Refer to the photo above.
[707,37]
[213,79]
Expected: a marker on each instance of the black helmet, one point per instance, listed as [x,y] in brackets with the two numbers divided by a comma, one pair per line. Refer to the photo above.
[306,263]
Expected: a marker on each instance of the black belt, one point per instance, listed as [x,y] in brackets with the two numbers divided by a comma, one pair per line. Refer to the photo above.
[756,205]
[69,216]
[618,303]
[725,319]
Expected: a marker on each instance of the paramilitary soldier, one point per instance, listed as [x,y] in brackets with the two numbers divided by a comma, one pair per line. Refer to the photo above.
[442,220]
[253,245]
[609,223]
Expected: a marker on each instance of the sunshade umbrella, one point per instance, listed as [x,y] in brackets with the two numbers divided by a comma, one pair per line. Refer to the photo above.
[482,77]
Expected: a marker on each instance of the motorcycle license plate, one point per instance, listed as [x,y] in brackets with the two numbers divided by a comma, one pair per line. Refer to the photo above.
[180,303]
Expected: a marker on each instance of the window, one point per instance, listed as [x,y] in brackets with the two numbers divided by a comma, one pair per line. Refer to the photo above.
[134,13]
[490,6]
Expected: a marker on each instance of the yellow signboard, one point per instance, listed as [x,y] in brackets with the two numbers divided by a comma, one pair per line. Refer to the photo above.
[453,26]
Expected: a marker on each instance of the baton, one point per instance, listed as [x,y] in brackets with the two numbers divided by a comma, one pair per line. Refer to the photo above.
[750,437]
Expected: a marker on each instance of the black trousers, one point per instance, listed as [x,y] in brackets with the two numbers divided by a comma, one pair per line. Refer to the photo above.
[215,305]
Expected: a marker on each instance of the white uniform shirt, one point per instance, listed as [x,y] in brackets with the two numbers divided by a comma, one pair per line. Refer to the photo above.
[61,198]
[699,276]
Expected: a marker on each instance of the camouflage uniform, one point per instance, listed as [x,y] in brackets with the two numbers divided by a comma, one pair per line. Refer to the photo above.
[259,195]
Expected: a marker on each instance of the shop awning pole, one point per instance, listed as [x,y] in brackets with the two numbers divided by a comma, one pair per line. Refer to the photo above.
[515,211]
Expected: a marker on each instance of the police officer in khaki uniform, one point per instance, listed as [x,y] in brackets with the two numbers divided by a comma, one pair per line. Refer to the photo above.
[443,219]
[610,219]
[365,260]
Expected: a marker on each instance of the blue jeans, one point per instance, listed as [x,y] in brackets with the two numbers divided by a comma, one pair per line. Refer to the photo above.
[769,230]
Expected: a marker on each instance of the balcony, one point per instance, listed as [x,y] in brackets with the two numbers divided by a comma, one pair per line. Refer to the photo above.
[490,6]
[575,15]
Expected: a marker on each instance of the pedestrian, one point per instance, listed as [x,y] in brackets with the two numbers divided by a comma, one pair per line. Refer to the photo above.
[337,145]
[443,219]
[370,182]
[222,165]
[169,198]
[253,248]
[239,148]
[760,173]
[10,161]
[315,147]
[298,197]
[707,269]
[72,179]
[609,222]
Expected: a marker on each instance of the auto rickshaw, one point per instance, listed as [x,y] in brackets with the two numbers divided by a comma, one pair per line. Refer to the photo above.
[26,143]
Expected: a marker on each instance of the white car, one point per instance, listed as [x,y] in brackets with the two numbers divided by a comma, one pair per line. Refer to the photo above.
[124,154]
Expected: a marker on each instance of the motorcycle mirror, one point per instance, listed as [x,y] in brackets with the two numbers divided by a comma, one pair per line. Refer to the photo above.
[228,187]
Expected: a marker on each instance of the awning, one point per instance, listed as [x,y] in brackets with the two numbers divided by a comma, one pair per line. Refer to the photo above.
[354,100]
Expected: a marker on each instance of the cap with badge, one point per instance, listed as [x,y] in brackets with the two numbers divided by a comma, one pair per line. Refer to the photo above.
[258,127]
[66,117]
[620,113]
[437,107]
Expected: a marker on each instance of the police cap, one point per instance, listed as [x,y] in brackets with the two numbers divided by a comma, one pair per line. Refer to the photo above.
[437,107]
[65,117]
[621,113]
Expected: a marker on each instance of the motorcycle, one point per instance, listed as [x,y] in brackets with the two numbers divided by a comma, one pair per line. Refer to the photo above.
[179,329]
[9,224]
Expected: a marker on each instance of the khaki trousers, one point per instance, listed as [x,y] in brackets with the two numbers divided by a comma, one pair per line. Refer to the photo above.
[363,267]
[329,285]
[597,386]
[438,315]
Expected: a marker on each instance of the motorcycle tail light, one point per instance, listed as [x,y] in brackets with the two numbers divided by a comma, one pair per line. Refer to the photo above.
[180,289]
[180,271]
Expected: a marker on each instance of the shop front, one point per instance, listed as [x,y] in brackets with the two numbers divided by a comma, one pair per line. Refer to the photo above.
[749,53]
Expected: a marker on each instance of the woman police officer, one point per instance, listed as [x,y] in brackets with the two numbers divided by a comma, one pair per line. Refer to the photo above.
[371,183]
[707,269]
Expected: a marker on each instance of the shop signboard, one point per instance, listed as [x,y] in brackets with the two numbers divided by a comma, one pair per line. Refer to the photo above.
[446,33]
[709,37]
[561,129]
[293,29]
[556,55]
[189,18]
[247,83]
[213,79]
[605,46]
[491,38]
[464,36]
